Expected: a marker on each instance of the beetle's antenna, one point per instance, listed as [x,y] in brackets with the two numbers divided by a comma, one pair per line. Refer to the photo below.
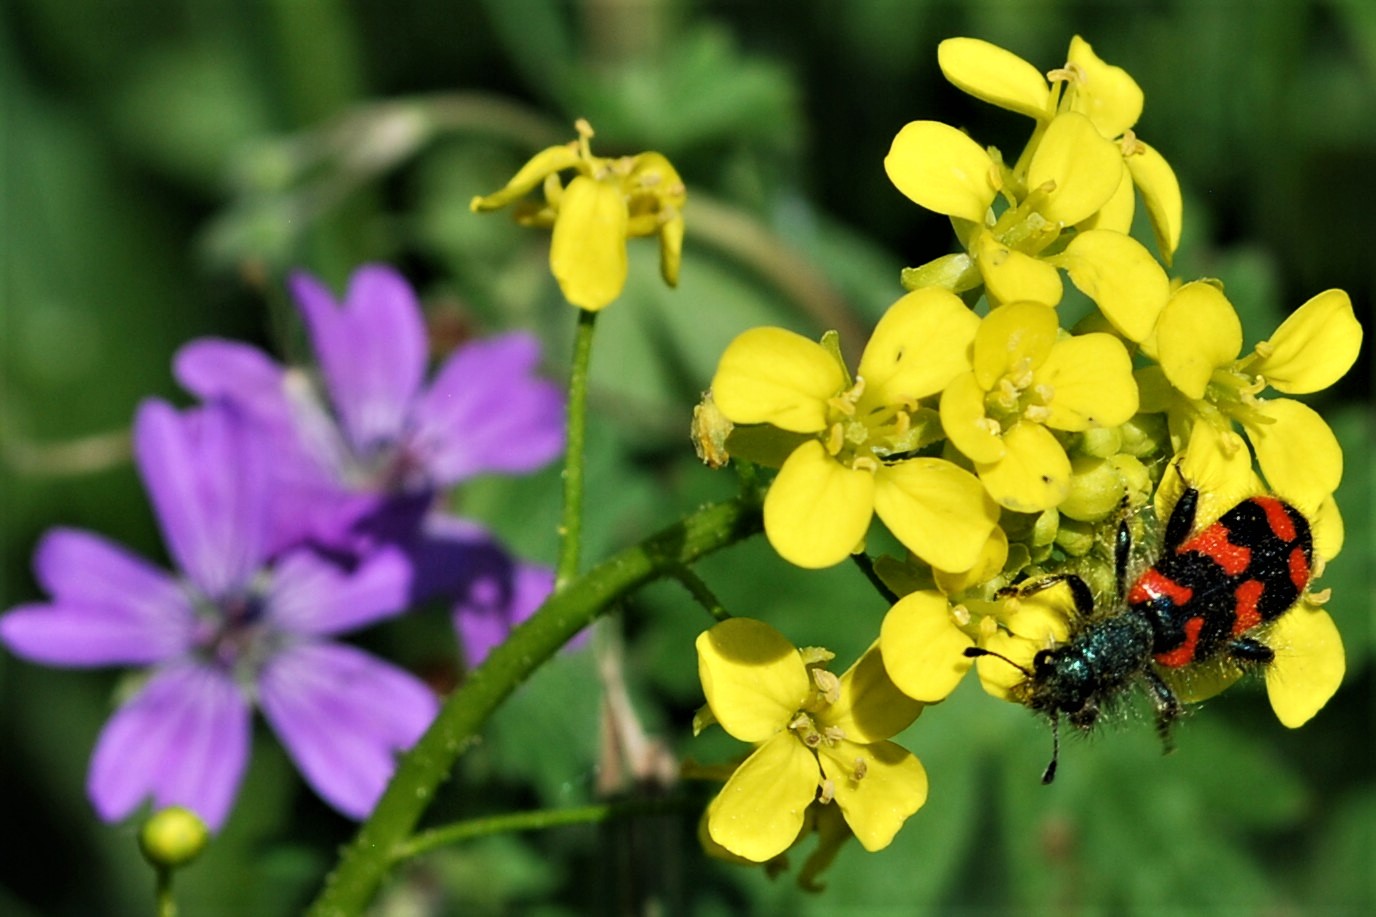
[974,652]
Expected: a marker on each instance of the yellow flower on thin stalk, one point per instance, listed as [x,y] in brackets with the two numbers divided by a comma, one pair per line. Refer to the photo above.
[818,739]
[605,203]
[1201,376]
[1104,94]
[853,453]
[1017,255]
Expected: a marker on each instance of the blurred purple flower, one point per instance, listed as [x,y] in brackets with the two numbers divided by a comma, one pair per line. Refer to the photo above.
[230,632]
[363,454]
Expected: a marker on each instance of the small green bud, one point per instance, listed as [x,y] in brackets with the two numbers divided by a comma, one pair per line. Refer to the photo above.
[1075,538]
[1096,489]
[1136,478]
[173,837]
[1101,442]
[1145,435]
[1044,529]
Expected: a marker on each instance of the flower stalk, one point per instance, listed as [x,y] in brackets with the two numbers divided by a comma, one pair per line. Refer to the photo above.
[382,838]
[571,522]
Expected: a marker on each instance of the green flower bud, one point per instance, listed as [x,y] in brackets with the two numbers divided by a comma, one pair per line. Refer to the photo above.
[1075,538]
[1044,529]
[1145,435]
[173,837]
[1136,478]
[1101,442]
[1096,489]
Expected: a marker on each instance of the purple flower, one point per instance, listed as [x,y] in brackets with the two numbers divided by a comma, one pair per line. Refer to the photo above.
[232,631]
[364,448]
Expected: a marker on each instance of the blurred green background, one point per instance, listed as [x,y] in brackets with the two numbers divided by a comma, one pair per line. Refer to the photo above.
[165,163]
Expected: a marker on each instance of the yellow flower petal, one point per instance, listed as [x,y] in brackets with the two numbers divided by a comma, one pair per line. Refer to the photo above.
[999,77]
[996,676]
[877,787]
[588,251]
[1082,168]
[817,510]
[753,678]
[1308,667]
[919,345]
[1312,348]
[1010,275]
[1199,332]
[759,812]
[1297,451]
[964,420]
[1326,524]
[990,562]
[1034,474]
[936,509]
[1107,94]
[544,163]
[1091,383]
[870,707]
[1122,278]
[1161,193]
[1200,682]
[773,376]
[1116,214]
[938,167]
[923,647]
[671,248]
[1218,465]
[1012,340]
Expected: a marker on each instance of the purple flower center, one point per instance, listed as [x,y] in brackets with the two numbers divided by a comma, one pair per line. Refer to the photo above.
[234,634]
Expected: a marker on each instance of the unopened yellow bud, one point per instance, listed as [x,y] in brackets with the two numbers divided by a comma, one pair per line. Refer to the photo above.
[173,837]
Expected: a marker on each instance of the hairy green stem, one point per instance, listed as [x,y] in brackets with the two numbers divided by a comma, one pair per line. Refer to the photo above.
[571,525]
[538,820]
[366,859]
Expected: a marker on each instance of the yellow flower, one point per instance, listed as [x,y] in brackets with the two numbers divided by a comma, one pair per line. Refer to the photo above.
[853,455]
[606,202]
[1069,178]
[925,635]
[1105,95]
[1025,382]
[1309,660]
[816,737]
[1197,343]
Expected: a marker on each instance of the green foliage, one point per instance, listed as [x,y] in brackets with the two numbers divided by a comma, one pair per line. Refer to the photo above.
[165,163]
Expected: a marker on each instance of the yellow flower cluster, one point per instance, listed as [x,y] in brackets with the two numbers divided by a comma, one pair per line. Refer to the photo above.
[605,203]
[998,446]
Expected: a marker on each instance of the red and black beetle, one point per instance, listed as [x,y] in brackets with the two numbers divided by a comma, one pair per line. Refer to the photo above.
[1201,600]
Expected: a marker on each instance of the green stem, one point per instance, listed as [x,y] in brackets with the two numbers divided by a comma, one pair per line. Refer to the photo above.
[539,820]
[700,591]
[165,905]
[571,526]
[866,565]
[366,860]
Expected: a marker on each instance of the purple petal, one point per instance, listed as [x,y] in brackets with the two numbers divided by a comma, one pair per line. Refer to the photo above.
[211,369]
[487,411]
[182,740]
[109,607]
[372,351]
[208,480]
[490,612]
[342,715]
[310,595]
